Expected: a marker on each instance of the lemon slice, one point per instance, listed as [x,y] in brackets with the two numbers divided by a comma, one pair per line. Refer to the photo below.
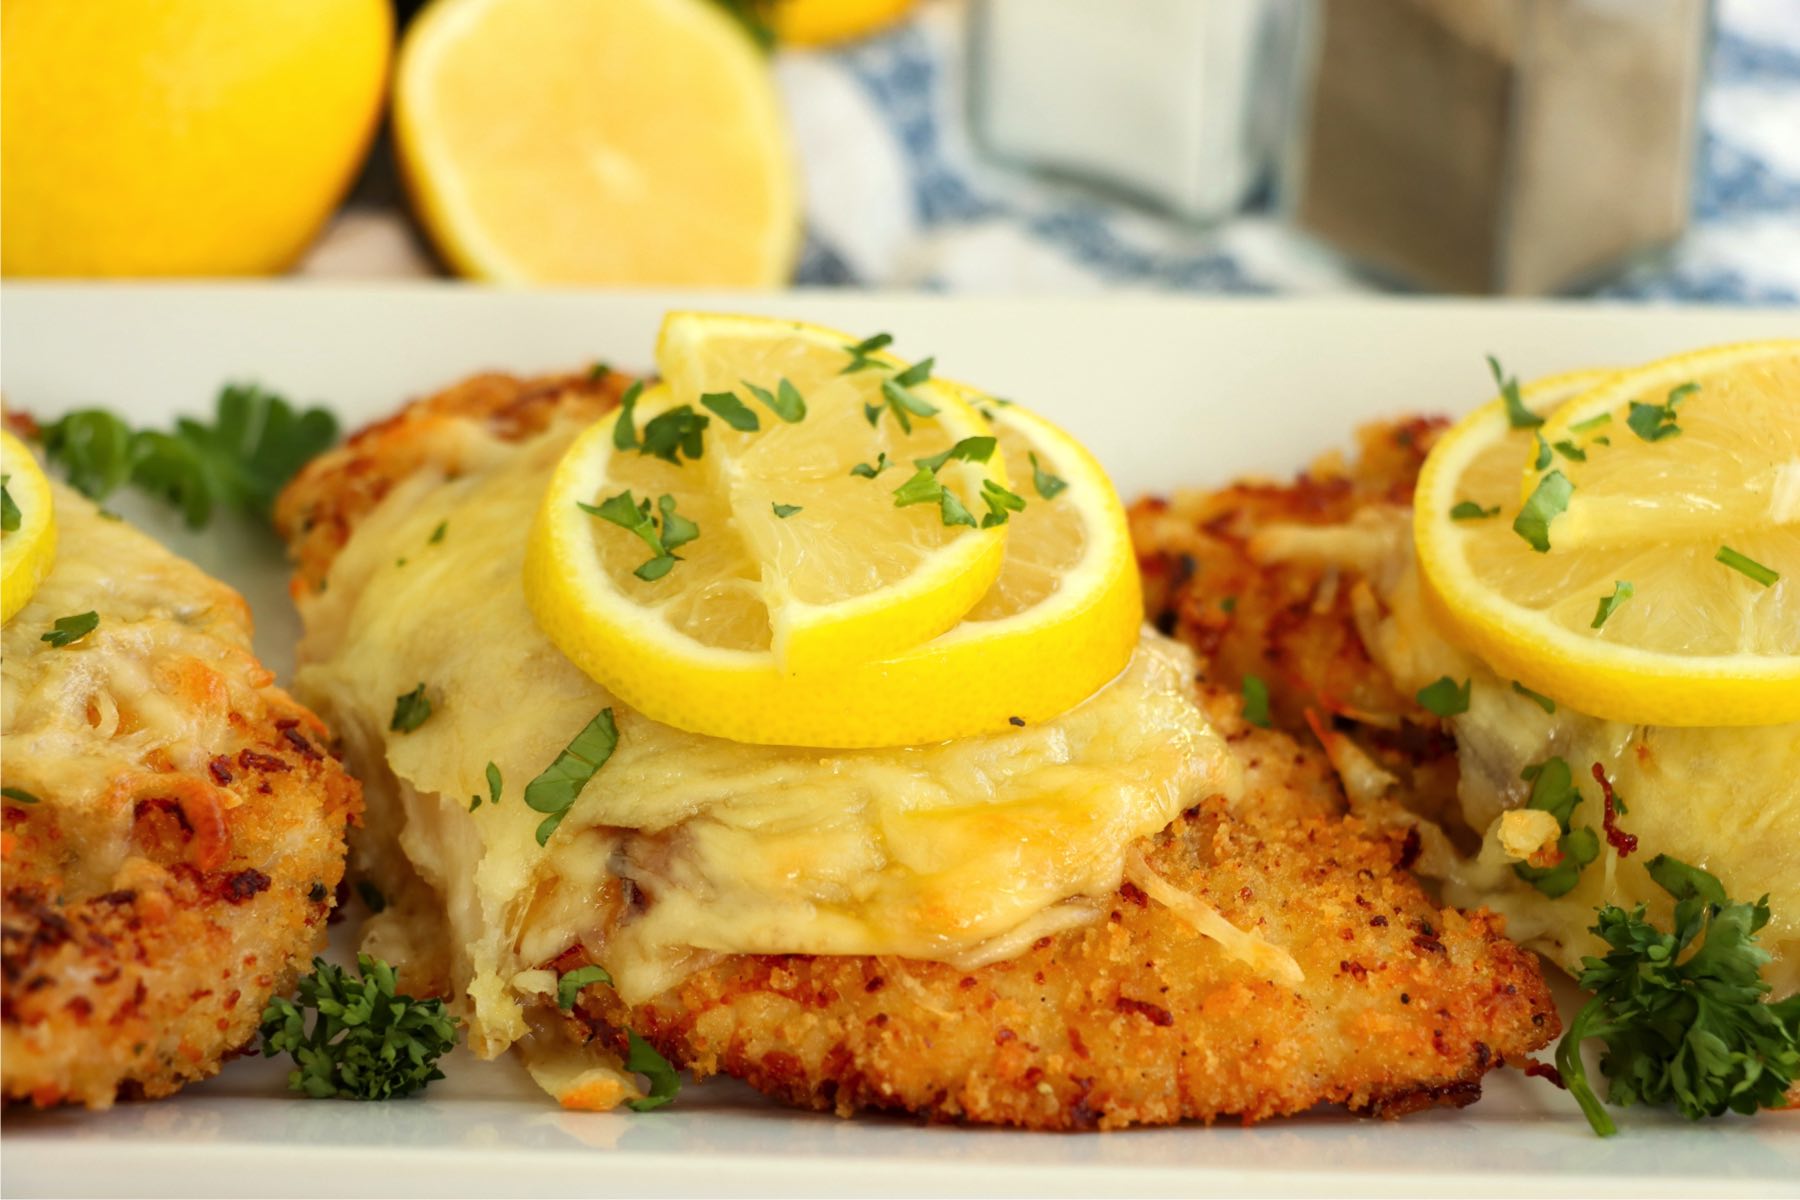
[828,22]
[1630,614]
[596,141]
[27,551]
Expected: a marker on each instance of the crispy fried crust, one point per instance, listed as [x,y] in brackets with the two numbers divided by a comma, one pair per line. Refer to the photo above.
[146,927]
[1135,1019]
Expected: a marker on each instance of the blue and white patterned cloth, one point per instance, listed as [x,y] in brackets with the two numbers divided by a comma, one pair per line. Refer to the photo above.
[897,196]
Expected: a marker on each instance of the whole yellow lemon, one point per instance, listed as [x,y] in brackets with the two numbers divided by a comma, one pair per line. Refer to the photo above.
[181,137]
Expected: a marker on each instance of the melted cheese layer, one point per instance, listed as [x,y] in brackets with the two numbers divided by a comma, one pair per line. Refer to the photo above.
[955,851]
[1725,799]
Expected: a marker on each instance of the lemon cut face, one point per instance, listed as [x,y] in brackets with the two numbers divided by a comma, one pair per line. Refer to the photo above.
[810,608]
[1652,575]
[28,543]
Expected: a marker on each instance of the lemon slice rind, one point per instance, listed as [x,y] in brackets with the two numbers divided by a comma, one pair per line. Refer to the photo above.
[28,552]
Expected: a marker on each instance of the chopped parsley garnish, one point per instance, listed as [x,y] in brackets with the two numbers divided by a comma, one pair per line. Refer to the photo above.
[1256,701]
[897,396]
[1543,453]
[1468,510]
[1745,565]
[1553,791]
[871,470]
[786,403]
[1001,503]
[634,516]
[729,409]
[570,983]
[1593,422]
[1692,1032]
[1570,451]
[859,353]
[1542,701]
[437,535]
[784,511]
[599,371]
[642,1059]
[669,435]
[1445,697]
[625,428]
[18,794]
[371,896]
[970,449]
[253,446]
[367,1041]
[1622,591]
[554,791]
[411,710]
[1654,422]
[1548,501]
[10,516]
[1517,415]
[66,631]
[493,783]
[1048,486]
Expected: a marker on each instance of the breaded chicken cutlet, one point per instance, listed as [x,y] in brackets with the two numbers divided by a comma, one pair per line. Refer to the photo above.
[174,826]
[1131,1019]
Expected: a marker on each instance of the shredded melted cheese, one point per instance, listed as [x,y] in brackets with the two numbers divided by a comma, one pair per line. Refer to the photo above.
[685,847]
[1725,799]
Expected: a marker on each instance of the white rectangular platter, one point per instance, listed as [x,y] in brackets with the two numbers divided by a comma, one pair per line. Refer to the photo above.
[1168,392]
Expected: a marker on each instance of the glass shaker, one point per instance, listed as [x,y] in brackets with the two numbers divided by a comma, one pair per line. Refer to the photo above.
[1173,103]
[1503,146]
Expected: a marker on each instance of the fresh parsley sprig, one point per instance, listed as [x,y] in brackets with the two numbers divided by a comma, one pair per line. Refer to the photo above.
[1688,1030]
[367,1042]
[254,444]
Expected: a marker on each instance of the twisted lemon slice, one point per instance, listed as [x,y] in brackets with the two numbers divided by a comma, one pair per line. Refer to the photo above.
[1650,571]
[28,535]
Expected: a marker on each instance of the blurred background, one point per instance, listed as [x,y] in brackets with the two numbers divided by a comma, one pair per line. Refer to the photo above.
[1641,149]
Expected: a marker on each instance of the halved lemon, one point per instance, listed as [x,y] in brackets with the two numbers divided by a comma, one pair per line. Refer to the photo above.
[596,141]
[28,547]
[1630,612]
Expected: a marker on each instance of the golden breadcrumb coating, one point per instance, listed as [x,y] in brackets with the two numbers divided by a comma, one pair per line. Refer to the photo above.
[1133,1020]
[187,836]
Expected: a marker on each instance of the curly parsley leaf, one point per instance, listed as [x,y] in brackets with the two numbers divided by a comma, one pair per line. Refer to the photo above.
[367,1041]
[1445,697]
[411,710]
[642,1059]
[1517,415]
[254,444]
[1553,791]
[1622,591]
[570,983]
[555,790]
[1693,1032]
[1548,501]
